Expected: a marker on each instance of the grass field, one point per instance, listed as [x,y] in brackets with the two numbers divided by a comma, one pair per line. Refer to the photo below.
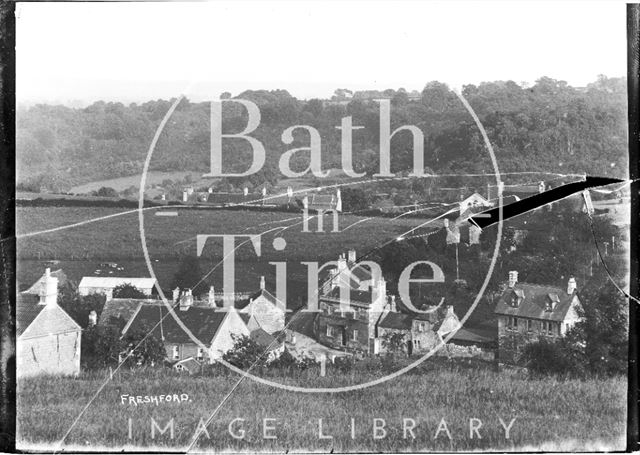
[167,237]
[549,414]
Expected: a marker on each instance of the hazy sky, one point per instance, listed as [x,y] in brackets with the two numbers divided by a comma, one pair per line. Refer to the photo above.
[140,51]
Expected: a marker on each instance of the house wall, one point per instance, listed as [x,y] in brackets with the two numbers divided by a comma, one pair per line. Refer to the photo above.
[57,354]
[185,351]
[343,325]
[223,341]
[421,340]
[269,316]
[511,341]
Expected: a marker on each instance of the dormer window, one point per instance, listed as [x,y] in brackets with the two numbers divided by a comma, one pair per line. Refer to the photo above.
[516,298]
[551,302]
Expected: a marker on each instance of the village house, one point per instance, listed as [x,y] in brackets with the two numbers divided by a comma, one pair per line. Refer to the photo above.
[353,330]
[106,285]
[323,202]
[213,327]
[529,312]
[421,331]
[48,339]
[264,308]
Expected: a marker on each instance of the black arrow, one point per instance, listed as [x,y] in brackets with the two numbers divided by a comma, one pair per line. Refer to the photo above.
[489,217]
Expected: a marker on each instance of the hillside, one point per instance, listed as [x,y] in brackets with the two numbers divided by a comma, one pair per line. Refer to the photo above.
[549,126]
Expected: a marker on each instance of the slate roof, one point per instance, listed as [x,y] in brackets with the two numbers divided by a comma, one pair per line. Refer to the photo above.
[399,321]
[265,340]
[302,322]
[124,308]
[354,295]
[403,321]
[37,286]
[533,302]
[51,318]
[471,336]
[242,303]
[203,323]
[27,309]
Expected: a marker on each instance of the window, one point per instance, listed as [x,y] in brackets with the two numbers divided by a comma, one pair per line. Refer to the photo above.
[200,354]
[355,335]
[548,327]
[176,352]
[329,331]
[529,325]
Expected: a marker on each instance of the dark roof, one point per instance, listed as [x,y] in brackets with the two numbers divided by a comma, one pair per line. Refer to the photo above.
[123,308]
[36,287]
[203,323]
[361,272]
[265,340]
[533,301]
[471,336]
[56,320]
[302,322]
[243,302]
[27,309]
[354,295]
[398,321]
[403,321]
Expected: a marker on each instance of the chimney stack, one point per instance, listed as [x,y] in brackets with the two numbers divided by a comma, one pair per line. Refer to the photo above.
[186,301]
[176,294]
[184,196]
[245,191]
[49,289]
[571,286]
[513,278]
[352,255]
[211,297]
[262,283]
[93,318]
[392,304]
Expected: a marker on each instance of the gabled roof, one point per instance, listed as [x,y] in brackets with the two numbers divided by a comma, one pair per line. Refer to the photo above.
[399,321]
[302,322]
[268,296]
[35,320]
[112,282]
[37,286]
[265,340]
[27,309]
[533,303]
[203,323]
[123,308]
[363,297]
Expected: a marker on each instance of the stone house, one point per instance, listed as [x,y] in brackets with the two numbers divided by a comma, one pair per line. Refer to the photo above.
[529,312]
[422,331]
[213,327]
[366,298]
[48,339]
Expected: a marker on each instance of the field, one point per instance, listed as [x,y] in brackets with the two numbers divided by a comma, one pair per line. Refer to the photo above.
[122,183]
[549,414]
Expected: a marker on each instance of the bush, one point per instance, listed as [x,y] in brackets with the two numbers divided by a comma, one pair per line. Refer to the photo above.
[128,291]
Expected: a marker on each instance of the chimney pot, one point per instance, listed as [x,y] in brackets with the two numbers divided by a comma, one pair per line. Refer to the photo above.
[571,286]
[262,283]
[513,278]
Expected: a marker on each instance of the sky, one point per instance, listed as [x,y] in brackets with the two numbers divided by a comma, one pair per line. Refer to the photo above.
[76,53]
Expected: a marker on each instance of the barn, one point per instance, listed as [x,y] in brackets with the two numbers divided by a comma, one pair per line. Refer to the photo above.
[48,339]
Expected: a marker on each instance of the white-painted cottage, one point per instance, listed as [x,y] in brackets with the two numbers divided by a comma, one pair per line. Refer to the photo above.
[48,339]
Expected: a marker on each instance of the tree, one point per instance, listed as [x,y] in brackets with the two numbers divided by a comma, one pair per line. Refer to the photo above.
[79,307]
[188,275]
[106,191]
[101,346]
[246,353]
[142,348]
[128,291]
